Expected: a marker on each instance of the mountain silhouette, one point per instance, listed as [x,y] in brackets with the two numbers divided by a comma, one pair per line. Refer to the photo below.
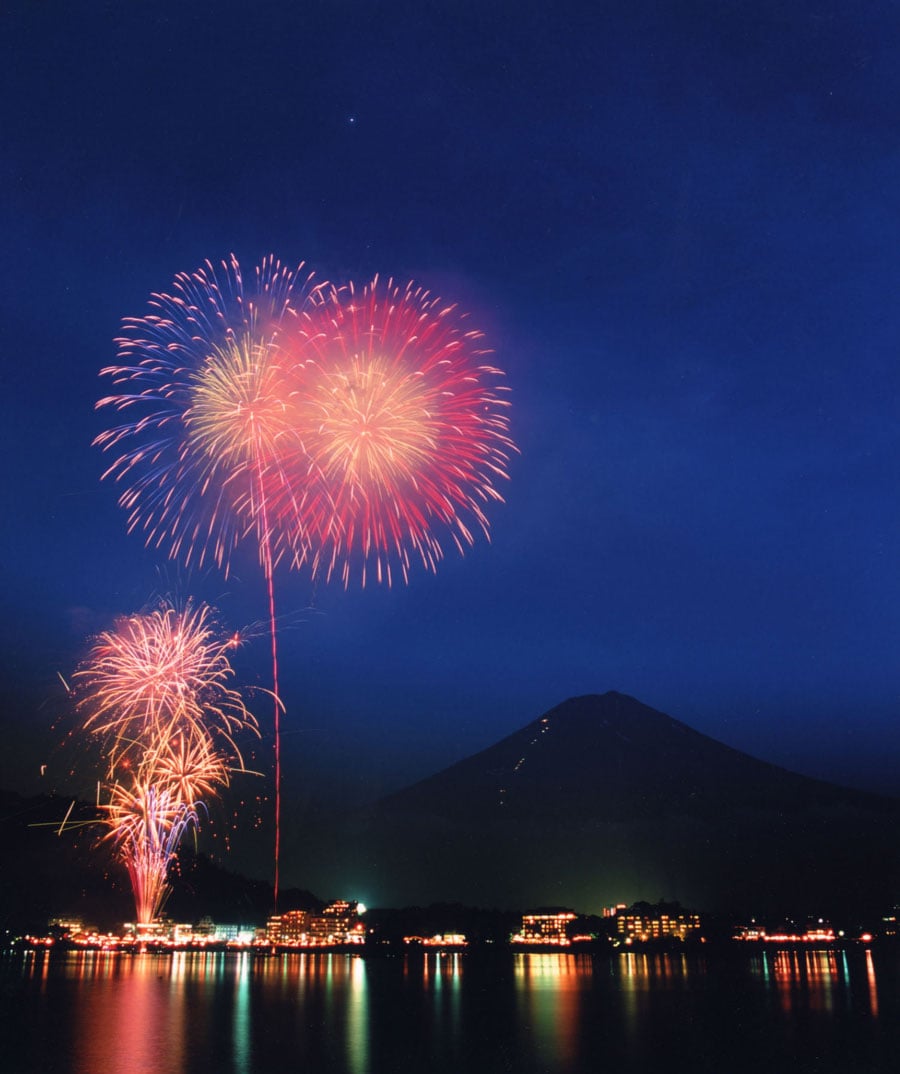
[604,800]
[601,800]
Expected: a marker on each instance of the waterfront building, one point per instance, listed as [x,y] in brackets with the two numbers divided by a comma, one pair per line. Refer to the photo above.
[446,939]
[66,926]
[656,923]
[158,931]
[338,923]
[548,928]
[752,933]
[291,927]
[294,926]
[234,934]
[184,934]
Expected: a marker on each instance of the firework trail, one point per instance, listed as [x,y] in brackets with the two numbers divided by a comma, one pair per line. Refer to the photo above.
[155,691]
[204,450]
[146,825]
[404,429]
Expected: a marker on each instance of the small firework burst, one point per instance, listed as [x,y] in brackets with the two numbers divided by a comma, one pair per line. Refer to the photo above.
[154,691]
[162,674]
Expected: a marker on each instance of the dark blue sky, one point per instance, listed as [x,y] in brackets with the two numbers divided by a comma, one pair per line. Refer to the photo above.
[679,226]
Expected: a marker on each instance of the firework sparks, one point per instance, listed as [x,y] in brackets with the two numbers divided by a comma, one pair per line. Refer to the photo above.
[162,674]
[146,824]
[404,429]
[351,433]
[205,452]
[192,768]
[201,379]
[155,690]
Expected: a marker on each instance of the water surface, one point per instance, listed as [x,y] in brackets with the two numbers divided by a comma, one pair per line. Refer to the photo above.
[215,1013]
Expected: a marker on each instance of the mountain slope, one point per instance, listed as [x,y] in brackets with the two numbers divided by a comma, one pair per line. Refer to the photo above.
[603,799]
[613,758]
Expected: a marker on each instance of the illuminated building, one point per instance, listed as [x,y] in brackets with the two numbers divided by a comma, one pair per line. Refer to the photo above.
[749,933]
[612,911]
[820,933]
[545,928]
[66,926]
[448,939]
[656,924]
[159,931]
[338,923]
[242,935]
[291,927]
[294,926]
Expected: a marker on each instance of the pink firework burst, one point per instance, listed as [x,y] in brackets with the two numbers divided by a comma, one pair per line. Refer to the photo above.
[403,429]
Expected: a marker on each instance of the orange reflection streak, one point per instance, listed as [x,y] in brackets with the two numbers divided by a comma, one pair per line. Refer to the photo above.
[549,986]
[786,972]
[127,1021]
[811,980]
[634,976]
[873,987]
[821,976]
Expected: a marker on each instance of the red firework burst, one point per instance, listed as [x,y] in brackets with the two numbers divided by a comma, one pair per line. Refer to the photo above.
[403,431]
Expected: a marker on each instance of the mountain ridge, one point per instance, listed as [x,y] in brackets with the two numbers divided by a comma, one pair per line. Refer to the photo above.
[623,726]
[604,799]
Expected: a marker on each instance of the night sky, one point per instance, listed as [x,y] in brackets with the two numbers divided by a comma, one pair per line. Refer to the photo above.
[678,225]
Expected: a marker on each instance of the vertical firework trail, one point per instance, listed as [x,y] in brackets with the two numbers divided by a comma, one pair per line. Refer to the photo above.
[204,373]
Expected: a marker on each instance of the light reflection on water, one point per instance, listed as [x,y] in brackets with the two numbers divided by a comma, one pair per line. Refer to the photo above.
[814,980]
[641,976]
[129,1013]
[198,1013]
[442,980]
[240,1026]
[548,990]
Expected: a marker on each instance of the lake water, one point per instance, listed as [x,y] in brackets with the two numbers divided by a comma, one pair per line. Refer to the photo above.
[92,1013]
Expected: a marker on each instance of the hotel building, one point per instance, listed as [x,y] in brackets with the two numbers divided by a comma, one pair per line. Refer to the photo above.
[652,924]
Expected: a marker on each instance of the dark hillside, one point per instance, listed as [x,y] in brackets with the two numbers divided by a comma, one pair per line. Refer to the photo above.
[604,799]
